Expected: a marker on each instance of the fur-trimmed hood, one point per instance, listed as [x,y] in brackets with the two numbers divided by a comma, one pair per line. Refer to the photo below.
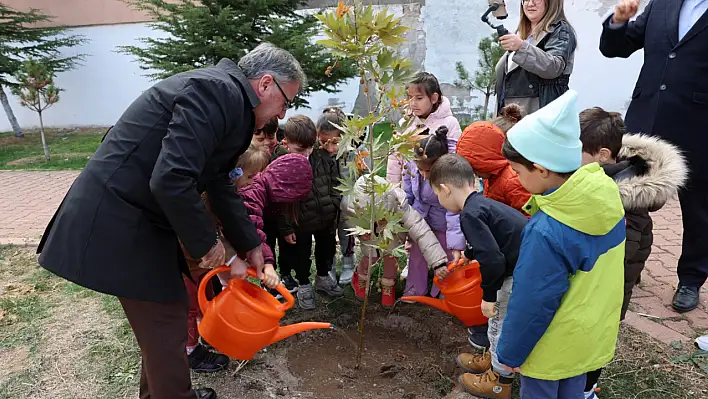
[648,172]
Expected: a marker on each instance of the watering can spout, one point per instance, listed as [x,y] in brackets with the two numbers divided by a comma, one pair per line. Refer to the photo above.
[426,300]
[287,331]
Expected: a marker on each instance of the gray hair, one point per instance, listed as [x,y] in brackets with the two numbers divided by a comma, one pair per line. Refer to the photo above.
[267,59]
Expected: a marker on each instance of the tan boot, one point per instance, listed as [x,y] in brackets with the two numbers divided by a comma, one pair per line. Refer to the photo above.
[485,385]
[474,362]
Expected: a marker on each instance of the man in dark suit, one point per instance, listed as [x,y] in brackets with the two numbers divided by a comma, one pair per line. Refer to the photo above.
[118,229]
[670,100]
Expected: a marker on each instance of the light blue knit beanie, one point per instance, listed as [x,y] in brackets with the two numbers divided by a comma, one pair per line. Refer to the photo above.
[550,137]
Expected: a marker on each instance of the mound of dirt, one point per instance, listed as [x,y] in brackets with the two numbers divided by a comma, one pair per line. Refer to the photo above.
[408,354]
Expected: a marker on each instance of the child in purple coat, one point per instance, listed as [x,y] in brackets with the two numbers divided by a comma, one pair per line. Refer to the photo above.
[421,197]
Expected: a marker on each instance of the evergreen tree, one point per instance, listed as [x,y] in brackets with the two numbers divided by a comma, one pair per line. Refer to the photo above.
[20,40]
[484,78]
[37,92]
[201,32]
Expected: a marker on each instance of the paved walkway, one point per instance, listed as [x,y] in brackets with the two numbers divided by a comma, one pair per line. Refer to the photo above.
[28,201]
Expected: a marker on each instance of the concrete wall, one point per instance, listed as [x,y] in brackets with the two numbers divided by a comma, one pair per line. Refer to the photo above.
[444,31]
[97,92]
[82,12]
[108,12]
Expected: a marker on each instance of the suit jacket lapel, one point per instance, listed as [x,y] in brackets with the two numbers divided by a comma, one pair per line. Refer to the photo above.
[700,25]
[673,9]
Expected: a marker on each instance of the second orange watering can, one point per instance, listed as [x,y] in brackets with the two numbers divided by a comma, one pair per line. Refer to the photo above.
[244,318]
[462,294]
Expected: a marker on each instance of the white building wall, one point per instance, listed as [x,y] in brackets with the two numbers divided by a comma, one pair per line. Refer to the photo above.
[97,92]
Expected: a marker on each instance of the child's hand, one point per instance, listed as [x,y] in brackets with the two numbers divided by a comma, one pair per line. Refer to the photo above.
[489,309]
[513,370]
[290,238]
[456,255]
[271,278]
[441,272]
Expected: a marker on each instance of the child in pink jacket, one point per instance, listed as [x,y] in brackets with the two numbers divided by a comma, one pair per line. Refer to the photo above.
[429,109]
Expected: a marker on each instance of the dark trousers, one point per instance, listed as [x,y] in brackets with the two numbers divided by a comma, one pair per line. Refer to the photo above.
[297,256]
[693,263]
[161,331]
[591,379]
[270,228]
[569,388]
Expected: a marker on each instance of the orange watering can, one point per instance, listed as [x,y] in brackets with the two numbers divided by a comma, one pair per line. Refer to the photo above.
[244,318]
[462,295]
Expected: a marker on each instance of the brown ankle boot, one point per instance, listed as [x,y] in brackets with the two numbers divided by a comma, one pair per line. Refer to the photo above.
[486,385]
[475,363]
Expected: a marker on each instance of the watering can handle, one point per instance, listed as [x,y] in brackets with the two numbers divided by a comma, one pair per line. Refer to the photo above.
[201,292]
[454,265]
[289,300]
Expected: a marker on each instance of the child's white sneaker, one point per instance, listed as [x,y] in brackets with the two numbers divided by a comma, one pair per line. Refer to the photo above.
[333,274]
[328,286]
[702,342]
[347,270]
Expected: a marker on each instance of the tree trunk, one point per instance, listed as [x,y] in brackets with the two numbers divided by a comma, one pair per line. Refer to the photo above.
[44,140]
[487,94]
[10,115]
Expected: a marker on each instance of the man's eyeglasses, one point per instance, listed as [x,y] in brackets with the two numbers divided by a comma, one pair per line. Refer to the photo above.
[288,104]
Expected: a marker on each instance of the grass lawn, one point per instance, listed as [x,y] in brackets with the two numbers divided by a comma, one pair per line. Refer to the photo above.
[69,148]
[72,148]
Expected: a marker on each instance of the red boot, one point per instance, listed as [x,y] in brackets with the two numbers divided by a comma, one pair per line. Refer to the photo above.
[388,292]
[359,286]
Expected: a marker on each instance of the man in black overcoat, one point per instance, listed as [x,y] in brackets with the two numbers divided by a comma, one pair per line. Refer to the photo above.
[118,227]
[670,100]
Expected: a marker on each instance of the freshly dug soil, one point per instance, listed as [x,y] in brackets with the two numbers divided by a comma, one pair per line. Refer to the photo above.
[408,354]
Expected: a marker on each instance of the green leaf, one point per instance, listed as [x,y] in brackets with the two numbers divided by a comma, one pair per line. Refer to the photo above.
[358,231]
[384,59]
[399,252]
[330,43]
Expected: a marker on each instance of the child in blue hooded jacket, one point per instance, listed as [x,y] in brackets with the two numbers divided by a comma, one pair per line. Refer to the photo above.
[563,315]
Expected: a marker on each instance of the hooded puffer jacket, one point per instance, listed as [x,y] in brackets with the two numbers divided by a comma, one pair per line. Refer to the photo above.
[648,172]
[441,117]
[395,200]
[481,145]
[320,209]
[287,179]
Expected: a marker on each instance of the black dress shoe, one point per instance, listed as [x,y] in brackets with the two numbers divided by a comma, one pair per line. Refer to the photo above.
[685,299]
[205,393]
